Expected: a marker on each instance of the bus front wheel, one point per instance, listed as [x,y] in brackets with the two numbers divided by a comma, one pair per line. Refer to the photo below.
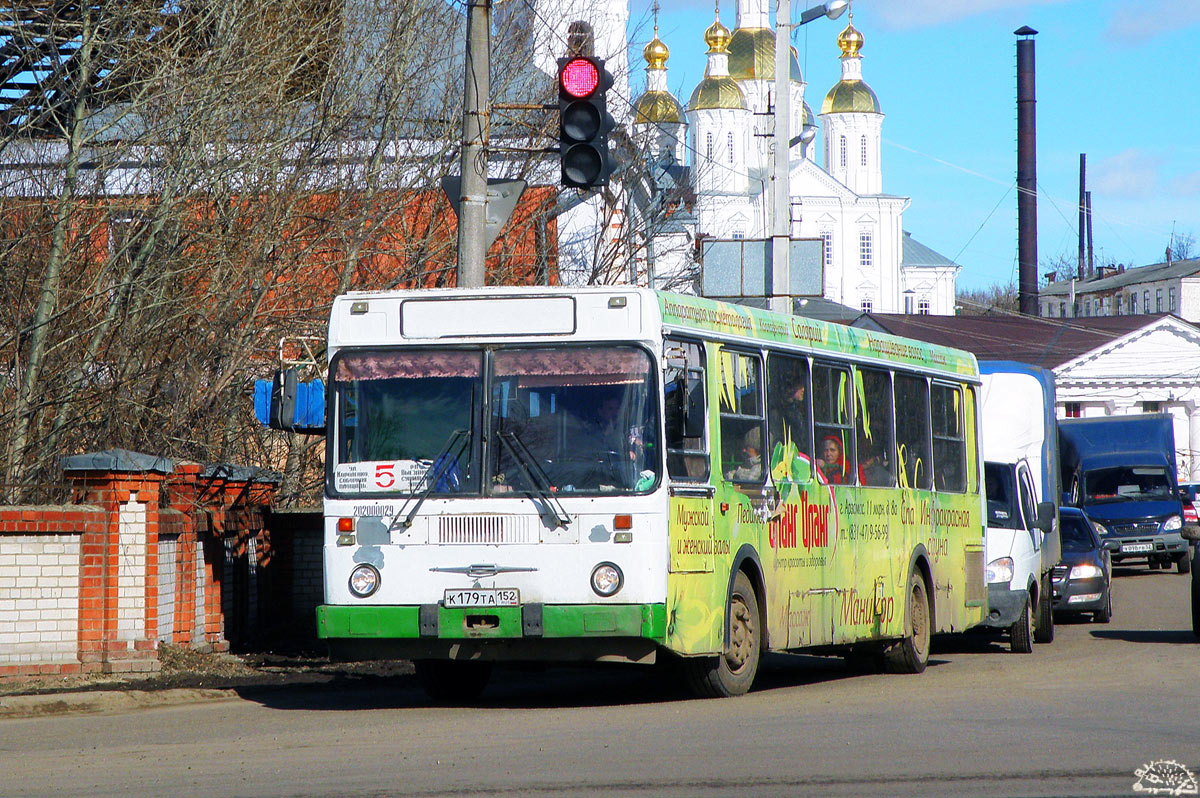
[453,681]
[911,654]
[731,673]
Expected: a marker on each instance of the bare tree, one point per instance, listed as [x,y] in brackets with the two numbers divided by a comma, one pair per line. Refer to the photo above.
[193,183]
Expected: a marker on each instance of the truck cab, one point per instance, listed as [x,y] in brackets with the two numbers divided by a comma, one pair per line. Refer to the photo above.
[1017,557]
[1120,470]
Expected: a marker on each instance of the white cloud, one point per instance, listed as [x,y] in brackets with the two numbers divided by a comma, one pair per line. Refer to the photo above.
[1138,23]
[1185,185]
[1127,174]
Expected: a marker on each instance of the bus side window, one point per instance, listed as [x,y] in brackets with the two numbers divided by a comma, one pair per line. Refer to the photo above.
[876,463]
[789,418]
[833,425]
[912,432]
[741,418]
[949,444]
[972,439]
[686,410]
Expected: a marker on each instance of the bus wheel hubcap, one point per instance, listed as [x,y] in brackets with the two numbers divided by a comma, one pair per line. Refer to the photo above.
[741,635]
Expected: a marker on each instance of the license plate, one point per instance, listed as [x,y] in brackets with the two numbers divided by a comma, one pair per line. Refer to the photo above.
[1134,548]
[485,597]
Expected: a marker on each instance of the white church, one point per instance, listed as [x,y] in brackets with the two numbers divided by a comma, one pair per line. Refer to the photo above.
[711,162]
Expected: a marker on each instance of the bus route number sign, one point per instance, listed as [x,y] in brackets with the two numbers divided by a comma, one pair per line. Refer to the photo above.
[482,597]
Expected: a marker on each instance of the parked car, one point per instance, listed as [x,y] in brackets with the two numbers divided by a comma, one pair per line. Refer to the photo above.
[1189,508]
[1082,580]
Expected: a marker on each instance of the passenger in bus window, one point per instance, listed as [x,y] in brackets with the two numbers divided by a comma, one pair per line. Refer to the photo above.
[832,462]
[748,465]
[872,470]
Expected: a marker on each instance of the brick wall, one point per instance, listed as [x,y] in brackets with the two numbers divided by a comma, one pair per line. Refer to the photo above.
[150,550]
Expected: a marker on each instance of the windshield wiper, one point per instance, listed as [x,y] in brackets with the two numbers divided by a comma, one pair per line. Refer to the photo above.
[536,477]
[440,465]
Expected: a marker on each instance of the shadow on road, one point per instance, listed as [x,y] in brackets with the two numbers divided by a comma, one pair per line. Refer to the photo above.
[514,687]
[1172,636]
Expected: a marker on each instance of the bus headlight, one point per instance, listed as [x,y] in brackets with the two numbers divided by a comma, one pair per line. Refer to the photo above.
[364,580]
[607,579]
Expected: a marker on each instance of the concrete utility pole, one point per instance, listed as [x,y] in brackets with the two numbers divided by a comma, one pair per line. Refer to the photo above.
[472,215]
[779,274]
[779,279]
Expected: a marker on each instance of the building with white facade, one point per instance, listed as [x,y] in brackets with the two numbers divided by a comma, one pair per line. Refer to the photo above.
[717,151]
[1172,287]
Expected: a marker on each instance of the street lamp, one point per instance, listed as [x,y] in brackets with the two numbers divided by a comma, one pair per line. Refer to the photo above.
[833,9]
[779,283]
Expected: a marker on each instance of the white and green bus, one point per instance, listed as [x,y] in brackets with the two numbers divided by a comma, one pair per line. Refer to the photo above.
[620,474]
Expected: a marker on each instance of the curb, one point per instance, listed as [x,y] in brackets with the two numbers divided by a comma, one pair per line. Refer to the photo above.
[33,706]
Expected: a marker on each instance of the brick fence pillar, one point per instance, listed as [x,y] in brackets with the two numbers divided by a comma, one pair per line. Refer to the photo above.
[118,591]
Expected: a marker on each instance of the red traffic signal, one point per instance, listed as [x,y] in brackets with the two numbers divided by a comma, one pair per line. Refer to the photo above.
[579,77]
[583,121]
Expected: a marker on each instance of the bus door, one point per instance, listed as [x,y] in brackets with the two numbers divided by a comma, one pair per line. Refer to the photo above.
[694,587]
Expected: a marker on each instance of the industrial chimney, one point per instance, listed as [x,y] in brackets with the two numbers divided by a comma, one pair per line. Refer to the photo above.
[1027,288]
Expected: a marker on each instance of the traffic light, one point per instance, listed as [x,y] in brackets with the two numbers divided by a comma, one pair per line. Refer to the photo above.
[583,121]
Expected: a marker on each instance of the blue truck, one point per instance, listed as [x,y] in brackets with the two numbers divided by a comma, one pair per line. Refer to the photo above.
[1120,470]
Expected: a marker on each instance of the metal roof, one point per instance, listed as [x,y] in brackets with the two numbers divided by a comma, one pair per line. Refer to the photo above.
[916,254]
[1038,341]
[1155,272]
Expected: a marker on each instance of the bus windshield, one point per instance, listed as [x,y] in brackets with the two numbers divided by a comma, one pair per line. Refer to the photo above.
[564,419]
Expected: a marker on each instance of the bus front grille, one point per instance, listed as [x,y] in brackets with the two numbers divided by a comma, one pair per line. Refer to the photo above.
[467,529]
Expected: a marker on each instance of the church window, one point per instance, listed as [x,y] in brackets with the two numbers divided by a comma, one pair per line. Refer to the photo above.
[1171,295]
[1145,302]
[738,235]
[864,250]
[1158,300]
[923,307]
[730,138]
[1072,410]
[708,147]
[1132,302]
[827,247]
[866,305]
[864,150]
[842,144]
[1152,407]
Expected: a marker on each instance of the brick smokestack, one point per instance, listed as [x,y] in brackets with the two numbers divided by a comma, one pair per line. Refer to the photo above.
[1027,288]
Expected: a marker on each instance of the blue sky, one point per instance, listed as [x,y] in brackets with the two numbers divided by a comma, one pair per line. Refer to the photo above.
[1118,81]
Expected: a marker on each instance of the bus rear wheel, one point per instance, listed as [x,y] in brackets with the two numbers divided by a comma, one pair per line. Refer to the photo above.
[731,673]
[453,681]
[911,654]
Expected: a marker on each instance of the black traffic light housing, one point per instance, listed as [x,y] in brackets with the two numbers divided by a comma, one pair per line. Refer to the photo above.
[583,121]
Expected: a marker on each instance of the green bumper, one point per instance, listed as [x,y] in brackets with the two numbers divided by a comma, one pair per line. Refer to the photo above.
[433,622]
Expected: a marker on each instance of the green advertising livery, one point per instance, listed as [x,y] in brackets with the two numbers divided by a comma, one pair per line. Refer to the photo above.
[618,474]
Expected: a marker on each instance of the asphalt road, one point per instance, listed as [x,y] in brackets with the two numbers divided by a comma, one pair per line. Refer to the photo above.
[1079,716]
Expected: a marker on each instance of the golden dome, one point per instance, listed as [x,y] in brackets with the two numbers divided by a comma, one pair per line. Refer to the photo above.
[850,97]
[720,92]
[656,107]
[717,37]
[656,53]
[850,40]
[752,55]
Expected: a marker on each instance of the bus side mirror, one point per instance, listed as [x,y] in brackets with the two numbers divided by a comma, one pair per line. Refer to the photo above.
[286,403]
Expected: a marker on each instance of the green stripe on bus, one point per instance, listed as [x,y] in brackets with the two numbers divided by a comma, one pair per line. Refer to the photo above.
[558,621]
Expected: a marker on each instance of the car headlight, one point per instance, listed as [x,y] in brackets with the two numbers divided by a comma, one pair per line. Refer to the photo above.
[1172,524]
[364,580]
[607,579]
[1000,570]
[1101,529]
[1086,571]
